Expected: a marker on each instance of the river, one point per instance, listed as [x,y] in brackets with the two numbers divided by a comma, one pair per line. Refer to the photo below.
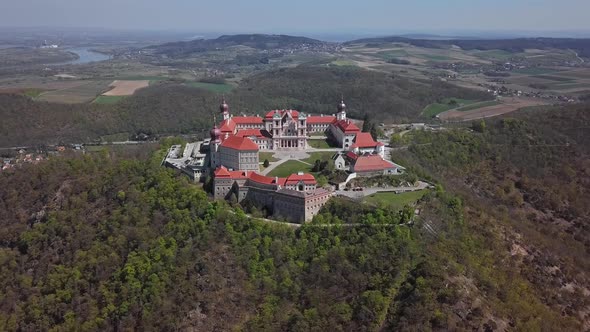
[85,56]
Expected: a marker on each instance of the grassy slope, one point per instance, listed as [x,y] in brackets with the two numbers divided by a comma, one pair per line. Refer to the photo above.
[478,105]
[393,200]
[217,88]
[108,99]
[436,108]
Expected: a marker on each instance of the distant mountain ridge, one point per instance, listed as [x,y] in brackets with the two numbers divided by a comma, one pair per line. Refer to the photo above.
[256,41]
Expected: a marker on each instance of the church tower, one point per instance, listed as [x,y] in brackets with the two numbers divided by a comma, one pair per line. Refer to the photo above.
[224,110]
[214,146]
[341,115]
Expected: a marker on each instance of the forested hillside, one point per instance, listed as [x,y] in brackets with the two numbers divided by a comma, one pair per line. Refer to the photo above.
[176,108]
[110,242]
[528,178]
[256,41]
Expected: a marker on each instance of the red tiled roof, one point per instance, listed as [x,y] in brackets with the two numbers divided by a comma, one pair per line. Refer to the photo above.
[347,126]
[270,114]
[364,140]
[296,178]
[352,155]
[266,179]
[314,119]
[247,119]
[227,126]
[251,132]
[372,163]
[239,143]
[223,172]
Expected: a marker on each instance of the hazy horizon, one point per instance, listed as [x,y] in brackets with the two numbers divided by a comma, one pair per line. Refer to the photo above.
[306,17]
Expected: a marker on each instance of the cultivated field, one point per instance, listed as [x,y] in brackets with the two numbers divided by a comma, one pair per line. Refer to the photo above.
[506,106]
[125,88]
[82,92]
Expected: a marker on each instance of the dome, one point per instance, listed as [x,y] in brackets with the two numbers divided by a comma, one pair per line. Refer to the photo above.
[224,107]
[215,133]
[341,106]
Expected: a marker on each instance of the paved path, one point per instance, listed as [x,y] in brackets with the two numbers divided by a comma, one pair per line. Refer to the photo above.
[370,191]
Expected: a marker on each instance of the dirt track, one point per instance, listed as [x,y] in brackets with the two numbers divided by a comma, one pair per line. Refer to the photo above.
[125,88]
[508,105]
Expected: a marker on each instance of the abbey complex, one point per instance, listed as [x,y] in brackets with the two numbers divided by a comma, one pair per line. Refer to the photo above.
[231,157]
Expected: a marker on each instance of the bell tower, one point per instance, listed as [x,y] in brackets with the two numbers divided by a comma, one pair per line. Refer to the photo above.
[214,145]
[341,115]
[224,109]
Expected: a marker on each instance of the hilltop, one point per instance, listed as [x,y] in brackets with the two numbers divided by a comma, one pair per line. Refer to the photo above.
[104,241]
[255,41]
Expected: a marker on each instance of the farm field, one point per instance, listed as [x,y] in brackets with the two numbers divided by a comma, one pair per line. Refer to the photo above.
[125,88]
[478,105]
[445,105]
[217,88]
[503,107]
[393,200]
[343,62]
[85,91]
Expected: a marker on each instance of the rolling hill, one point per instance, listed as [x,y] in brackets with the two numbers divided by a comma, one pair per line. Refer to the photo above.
[256,41]
[581,46]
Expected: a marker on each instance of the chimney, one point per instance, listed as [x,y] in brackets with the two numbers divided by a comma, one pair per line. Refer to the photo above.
[276,179]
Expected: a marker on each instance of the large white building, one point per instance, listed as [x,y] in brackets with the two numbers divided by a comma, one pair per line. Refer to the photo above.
[287,129]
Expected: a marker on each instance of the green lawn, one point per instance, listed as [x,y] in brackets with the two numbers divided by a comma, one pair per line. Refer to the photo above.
[318,144]
[290,167]
[108,99]
[393,200]
[325,155]
[33,93]
[436,108]
[267,155]
[478,105]
[342,62]
[217,88]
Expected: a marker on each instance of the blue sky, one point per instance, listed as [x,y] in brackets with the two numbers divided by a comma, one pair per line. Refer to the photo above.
[305,16]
